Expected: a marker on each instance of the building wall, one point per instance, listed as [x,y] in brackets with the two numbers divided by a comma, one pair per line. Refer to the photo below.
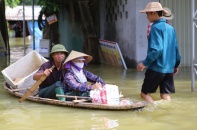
[70,34]
[130,32]
[121,22]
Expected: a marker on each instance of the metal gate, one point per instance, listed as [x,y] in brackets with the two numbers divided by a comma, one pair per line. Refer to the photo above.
[193,64]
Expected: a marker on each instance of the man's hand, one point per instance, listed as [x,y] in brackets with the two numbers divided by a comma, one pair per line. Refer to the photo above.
[47,72]
[140,67]
[176,70]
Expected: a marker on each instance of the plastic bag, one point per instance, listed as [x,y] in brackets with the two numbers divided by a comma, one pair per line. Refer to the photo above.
[98,96]
[113,96]
[109,94]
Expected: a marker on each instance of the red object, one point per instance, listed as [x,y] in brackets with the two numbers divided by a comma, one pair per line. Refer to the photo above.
[103,95]
[149,28]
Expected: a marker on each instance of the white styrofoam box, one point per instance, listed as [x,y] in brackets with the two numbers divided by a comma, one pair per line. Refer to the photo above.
[23,69]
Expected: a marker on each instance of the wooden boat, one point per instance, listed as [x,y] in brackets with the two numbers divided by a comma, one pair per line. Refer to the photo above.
[136,105]
[18,81]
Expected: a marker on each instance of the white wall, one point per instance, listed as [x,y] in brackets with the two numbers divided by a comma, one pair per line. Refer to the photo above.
[121,22]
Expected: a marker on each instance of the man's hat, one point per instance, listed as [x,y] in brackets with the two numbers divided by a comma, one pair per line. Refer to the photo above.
[153,7]
[169,15]
[58,48]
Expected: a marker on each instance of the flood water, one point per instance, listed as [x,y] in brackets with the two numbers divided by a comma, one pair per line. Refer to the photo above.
[178,114]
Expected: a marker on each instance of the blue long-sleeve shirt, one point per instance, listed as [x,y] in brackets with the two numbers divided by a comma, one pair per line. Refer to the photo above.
[162,54]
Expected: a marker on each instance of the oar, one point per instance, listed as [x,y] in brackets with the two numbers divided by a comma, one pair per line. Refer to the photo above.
[78,97]
[36,85]
[80,100]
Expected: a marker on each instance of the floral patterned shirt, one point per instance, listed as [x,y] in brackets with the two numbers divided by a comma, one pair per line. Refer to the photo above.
[71,82]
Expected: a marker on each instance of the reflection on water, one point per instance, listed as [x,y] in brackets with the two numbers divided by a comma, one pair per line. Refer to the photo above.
[103,123]
[178,114]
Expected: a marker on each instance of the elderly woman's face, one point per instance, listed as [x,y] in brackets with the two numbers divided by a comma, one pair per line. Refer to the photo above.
[79,63]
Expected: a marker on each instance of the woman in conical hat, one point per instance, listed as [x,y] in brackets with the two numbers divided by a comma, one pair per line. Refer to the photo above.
[76,79]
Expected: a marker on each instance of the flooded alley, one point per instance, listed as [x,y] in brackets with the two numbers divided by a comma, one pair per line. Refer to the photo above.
[178,114]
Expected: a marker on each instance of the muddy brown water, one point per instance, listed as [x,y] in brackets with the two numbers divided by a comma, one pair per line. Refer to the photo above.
[178,114]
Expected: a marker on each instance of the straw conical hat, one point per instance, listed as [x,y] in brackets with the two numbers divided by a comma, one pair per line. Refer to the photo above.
[75,54]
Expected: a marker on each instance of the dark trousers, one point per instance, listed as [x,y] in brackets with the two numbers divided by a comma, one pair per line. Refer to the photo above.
[51,91]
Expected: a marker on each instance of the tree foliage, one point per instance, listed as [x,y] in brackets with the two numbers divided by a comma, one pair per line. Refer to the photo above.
[49,6]
[29,2]
[12,3]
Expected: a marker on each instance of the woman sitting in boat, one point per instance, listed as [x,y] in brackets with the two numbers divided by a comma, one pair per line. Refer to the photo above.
[52,85]
[76,78]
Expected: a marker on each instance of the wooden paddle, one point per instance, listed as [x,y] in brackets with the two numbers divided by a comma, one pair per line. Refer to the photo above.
[77,99]
[33,88]
[80,100]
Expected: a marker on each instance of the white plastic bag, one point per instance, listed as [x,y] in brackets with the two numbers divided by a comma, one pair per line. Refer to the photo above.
[108,95]
[113,97]
[98,96]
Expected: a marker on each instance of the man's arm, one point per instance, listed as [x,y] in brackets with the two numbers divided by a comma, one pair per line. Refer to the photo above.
[39,74]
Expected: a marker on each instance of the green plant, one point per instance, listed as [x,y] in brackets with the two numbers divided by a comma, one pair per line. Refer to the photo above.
[49,6]
[12,3]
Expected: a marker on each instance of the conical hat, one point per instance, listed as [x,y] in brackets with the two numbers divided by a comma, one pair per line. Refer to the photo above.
[75,54]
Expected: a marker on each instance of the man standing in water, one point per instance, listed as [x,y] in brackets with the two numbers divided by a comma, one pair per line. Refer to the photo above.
[163,56]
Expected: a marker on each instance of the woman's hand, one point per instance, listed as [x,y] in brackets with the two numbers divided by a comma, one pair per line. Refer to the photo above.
[96,86]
